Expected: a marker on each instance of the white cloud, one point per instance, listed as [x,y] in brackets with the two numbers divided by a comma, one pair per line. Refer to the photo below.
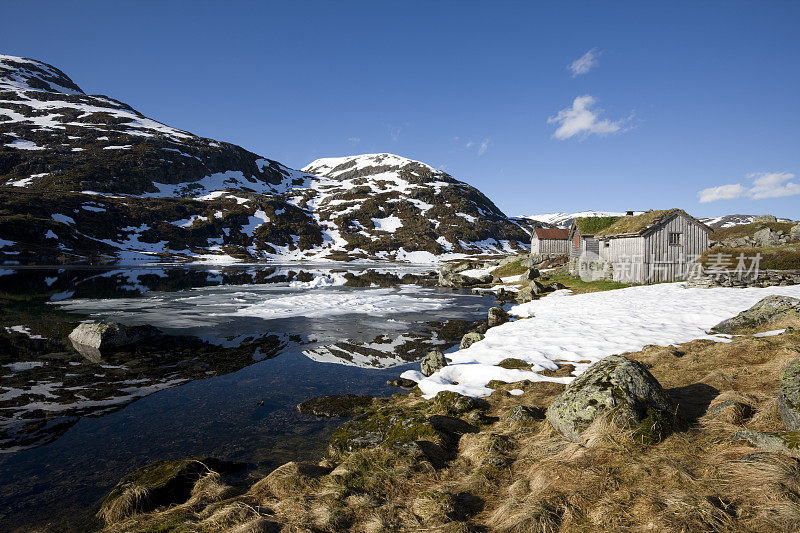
[585,63]
[484,146]
[723,192]
[765,185]
[581,119]
[772,185]
[354,140]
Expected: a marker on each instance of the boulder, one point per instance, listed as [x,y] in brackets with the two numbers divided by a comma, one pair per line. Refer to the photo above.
[453,403]
[497,316]
[432,362]
[766,237]
[765,218]
[789,395]
[337,405]
[523,414]
[470,338]
[530,291]
[531,273]
[795,231]
[770,309]
[620,386]
[110,335]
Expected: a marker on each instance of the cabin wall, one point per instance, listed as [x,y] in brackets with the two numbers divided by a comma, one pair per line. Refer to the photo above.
[552,246]
[627,258]
[670,262]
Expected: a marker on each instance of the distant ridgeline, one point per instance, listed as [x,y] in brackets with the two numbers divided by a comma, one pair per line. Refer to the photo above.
[88,177]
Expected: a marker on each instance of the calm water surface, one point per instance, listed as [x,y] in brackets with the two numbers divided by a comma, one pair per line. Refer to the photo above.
[73,425]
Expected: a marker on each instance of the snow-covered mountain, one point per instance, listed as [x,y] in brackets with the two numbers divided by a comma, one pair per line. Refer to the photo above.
[86,176]
[727,221]
[564,220]
[385,205]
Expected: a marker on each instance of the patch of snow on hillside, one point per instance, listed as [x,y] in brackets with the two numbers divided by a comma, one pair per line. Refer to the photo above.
[589,327]
[22,144]
[64,219]
[390,223]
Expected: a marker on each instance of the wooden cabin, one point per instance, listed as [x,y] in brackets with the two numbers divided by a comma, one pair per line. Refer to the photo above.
[652,247]
[546,241]
[581,236]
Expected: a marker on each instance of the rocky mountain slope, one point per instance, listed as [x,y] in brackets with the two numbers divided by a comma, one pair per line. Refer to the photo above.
[86,176]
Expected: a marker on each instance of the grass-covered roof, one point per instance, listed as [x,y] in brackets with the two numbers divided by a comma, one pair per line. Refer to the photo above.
[591,225]
[639,223]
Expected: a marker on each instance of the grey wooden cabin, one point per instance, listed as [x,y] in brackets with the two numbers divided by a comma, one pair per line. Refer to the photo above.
[653,247]
[547,241]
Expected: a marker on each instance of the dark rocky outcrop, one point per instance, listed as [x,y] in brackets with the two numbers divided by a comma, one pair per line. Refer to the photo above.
[617,386]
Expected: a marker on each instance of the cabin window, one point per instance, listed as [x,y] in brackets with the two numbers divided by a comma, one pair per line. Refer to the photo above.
[675,239]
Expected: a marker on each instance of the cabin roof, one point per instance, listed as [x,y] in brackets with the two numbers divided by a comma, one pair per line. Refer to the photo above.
[551,234]
[593,225]
[641,224]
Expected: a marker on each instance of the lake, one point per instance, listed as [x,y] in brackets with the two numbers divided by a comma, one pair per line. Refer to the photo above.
[246,344]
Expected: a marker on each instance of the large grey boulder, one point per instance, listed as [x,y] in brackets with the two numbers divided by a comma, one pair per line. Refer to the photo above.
[618,385]
[795,231]
[432,362]
[109,335]
[789,395]
[771,308]
[766,237]
[497,316]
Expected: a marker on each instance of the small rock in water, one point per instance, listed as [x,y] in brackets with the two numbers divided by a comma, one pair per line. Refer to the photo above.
[337,405]
[432,362]
[470,338]
[497,316]
[403,383]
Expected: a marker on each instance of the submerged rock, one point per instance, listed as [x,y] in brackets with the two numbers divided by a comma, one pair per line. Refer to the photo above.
[400,429]
[620,386]
[337,405]
[470,338]
[109,335]
[432,362]
[772,308]
[497,316]
[789,395]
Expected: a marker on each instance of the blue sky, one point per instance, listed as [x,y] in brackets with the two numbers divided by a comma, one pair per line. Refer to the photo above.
[678,97]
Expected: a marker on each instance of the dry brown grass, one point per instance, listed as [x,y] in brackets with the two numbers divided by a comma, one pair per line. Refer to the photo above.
[512,477]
